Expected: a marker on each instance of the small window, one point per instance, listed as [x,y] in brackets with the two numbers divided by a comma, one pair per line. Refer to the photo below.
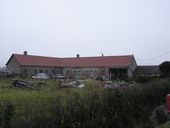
[74,72]
[25,71]
[46,71]
[35,71]
[79,72]
[41,71]
[52,71]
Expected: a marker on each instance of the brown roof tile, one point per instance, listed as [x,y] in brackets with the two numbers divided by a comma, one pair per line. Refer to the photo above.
[105,61]
[30,60]
[102,61]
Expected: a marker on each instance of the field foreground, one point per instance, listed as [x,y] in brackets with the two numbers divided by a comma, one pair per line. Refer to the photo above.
[49,106]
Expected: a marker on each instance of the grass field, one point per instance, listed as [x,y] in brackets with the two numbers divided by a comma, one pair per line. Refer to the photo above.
[49,106]
[167,125]
[30,104]
[42,94]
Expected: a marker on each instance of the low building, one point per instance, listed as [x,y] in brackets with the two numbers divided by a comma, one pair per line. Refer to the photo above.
[4,72]
[77,67]
[148,70]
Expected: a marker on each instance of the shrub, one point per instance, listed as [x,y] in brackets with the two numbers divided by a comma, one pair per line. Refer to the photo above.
[143,79]
[6,114]
[165,69]
[159,116]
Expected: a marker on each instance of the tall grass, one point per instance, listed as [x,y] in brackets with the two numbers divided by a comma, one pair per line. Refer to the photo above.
[167,125]
[92,107]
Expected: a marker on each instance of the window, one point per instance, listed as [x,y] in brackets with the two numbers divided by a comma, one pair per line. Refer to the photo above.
[46,71]
[79,73]
[41,71]
[35,71]
[25,71]
[52,71]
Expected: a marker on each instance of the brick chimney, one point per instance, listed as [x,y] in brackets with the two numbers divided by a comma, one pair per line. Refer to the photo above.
[78,56]
[25,52]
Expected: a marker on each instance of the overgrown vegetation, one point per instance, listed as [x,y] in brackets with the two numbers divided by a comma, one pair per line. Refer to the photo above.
[165,69]
[167,125]
[144,79]
[92,107]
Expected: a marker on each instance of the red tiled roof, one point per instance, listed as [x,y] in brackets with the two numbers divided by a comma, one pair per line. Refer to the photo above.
[102,61]
[105,61]
[29,60]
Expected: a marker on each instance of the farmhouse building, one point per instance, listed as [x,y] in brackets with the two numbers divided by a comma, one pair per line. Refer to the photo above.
[76,67]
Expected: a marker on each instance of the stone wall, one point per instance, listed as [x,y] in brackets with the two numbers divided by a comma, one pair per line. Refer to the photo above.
[13,66]
[82,73]
[32,70]
[132,67]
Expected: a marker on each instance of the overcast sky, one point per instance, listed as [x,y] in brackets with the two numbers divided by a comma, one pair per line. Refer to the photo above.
[63,28]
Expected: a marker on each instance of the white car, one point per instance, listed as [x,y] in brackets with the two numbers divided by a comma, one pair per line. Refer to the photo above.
[109,84]
[58,76]
[40,76]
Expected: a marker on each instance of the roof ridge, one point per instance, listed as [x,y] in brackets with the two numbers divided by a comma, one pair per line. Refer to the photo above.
[38,56]
[96,56]
[74,57]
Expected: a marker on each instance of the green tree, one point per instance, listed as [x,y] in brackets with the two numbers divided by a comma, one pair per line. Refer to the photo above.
[165,68]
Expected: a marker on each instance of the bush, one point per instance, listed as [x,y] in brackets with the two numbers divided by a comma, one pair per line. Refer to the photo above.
[159,116]
[6,114]
[143,79]
[165,69]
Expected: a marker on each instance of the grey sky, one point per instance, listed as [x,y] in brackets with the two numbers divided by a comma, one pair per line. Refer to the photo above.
[63,28]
